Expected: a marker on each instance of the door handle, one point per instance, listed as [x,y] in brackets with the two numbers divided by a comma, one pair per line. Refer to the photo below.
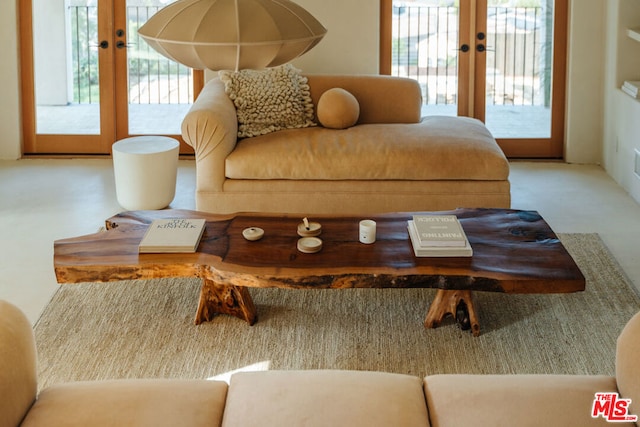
[103,44]
[482,48]
[464,48]
[122,45]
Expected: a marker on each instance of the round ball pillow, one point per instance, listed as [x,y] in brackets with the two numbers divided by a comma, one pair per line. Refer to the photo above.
[338,109]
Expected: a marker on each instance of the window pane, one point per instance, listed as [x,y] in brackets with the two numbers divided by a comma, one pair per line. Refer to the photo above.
[518,78]
[160,90]
[425,48]
[65,46]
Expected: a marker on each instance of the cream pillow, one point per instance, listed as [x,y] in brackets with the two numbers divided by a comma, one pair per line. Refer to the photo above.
[338,109]
[269,100]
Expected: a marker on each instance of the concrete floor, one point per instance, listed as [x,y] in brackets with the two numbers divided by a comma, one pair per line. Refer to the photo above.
[42,200]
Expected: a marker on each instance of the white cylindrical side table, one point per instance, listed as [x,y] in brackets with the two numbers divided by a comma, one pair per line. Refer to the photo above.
[145,169]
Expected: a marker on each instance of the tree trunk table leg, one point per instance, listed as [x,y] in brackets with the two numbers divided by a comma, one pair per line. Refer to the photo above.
[459,304]
[216,298]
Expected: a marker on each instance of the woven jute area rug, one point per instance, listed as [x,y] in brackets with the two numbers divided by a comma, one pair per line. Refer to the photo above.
[144,329]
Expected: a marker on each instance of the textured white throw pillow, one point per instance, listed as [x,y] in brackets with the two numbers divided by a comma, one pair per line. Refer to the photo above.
[269,100]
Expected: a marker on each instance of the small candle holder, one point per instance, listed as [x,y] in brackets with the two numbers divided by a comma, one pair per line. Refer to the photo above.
[309,229]
[253,233]
[309,245]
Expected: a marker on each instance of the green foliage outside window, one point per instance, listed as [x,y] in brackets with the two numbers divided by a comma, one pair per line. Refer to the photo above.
[144,62]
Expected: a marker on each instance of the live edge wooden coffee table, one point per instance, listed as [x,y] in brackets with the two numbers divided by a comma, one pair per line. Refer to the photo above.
[514,252]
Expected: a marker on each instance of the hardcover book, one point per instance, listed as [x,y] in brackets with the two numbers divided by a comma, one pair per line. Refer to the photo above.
[437,251]
[439,230]
[172,235]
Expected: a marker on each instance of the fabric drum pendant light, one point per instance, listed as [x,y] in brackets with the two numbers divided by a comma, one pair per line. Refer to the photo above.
[232,34]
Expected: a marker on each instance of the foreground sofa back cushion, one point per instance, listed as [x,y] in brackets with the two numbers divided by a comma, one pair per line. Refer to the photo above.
[136,402]
[325,398]
[515,400]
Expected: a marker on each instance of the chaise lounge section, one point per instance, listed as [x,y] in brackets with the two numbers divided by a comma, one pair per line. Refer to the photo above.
[391,160]
[310,398]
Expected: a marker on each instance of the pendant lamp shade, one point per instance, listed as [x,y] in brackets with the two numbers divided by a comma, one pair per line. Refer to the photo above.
[232,34]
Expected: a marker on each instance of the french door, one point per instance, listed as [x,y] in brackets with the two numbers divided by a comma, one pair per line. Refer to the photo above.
[89,80]
[502,62]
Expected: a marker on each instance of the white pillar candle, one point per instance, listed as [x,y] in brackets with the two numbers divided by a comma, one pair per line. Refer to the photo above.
[367,231]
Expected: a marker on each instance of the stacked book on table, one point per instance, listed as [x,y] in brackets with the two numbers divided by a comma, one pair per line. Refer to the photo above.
[438,236]
[172,236]
[631,88]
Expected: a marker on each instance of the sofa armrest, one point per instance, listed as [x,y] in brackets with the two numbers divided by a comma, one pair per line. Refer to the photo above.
[211,128]
[18,376]
[627,367]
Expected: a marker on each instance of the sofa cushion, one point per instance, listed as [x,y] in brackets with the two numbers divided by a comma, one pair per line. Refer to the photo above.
[325,398]
[438,148]
[515,400]
[130,403]
[382,99]
[269,100]
[338,109]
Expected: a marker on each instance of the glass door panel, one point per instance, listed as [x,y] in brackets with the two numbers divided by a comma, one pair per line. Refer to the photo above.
[500,61]
[89,80]
[519,46]
[159,91]
[67,86]
[425,48]
[66,75]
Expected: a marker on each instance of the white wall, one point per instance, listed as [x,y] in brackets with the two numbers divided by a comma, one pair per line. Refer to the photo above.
[351,46]
[585,89]
[621,133]
[352,43]
[609,146]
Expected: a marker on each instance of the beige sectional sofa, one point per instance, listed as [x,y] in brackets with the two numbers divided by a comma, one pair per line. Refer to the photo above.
[309,398]
[391,160]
